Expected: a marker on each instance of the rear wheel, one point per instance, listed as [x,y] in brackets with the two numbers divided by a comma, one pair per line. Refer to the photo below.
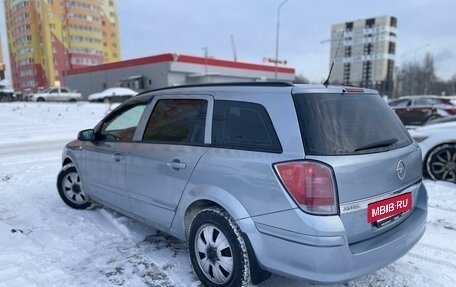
[441,163]
[72,100]
[40,100]
[70,188]
[217,249]
[431,118]
[6,98]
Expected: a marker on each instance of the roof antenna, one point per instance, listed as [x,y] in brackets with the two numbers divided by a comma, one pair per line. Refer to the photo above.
[326,83]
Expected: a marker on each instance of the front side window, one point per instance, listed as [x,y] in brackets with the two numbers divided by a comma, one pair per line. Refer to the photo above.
[241,125]
[122,127]
[177,121]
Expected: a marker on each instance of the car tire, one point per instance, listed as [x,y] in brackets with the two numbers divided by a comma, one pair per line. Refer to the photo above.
[213,235]
[6,98]
[431,118]
[40,100]
[441,163]
[73,101]
[70,188]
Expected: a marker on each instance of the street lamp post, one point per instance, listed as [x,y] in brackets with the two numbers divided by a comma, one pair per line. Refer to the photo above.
[205,63]
[277,38]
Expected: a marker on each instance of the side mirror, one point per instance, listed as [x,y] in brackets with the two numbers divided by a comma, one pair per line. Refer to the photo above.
[86,135]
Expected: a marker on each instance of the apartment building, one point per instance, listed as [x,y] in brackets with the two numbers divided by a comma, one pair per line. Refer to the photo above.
[47,38]
[366,52]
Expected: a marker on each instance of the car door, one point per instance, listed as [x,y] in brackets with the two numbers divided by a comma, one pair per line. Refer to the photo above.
[161,163]
[104,160]
[421,110]
[53,95]
[64,94]
[401,108]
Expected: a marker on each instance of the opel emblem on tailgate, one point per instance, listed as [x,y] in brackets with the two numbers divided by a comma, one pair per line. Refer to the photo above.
[400,170]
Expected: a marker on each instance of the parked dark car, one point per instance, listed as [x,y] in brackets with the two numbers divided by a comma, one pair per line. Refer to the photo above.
[417,110]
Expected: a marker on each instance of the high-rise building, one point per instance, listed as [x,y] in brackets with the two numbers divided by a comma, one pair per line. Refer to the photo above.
[365,53]
[47,38]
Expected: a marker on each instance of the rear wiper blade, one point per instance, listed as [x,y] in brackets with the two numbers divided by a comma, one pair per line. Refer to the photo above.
[379,144]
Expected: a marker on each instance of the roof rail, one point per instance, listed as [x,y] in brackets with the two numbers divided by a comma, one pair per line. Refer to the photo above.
[230,84]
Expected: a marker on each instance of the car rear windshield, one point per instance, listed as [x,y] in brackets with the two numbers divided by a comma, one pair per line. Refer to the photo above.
[341,124]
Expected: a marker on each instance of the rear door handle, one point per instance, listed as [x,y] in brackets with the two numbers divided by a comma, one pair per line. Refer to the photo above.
[176,164]
[118,157]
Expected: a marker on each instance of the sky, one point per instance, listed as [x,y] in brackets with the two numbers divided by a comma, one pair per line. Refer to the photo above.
[149,27]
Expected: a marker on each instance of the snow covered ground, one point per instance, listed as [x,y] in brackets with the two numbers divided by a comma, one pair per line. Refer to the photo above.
[45,243]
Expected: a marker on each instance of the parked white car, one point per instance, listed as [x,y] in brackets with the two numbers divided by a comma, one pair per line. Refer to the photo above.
[56,94]
[117,94]
[438,147]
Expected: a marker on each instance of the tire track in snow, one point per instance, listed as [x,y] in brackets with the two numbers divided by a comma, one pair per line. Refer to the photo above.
[441,257]
[138,264]
[134,259]
[442,208]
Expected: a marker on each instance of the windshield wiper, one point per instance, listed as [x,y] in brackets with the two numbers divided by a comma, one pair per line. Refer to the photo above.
[379,144]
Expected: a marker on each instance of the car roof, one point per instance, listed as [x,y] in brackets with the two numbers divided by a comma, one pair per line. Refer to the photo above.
[265,86]
[420,97]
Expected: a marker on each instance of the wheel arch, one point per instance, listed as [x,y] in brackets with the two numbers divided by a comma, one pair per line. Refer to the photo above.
[213,197]
[67,161]
[202,197]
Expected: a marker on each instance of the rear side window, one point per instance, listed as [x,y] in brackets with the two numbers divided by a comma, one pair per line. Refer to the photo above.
[177,121]
[246,126]
[340,124]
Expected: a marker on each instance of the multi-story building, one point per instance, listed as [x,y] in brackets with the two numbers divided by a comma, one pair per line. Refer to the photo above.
[47,38]
[365,53]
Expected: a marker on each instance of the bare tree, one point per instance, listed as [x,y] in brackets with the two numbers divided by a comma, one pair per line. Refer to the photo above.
[417,79]
[427,74]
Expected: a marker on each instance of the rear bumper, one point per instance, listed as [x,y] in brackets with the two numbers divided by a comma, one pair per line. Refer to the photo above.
[330,259]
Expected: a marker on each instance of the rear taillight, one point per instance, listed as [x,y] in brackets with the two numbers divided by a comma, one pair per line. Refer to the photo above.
[311,184]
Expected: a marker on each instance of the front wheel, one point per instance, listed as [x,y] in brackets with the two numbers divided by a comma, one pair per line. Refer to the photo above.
[70,188]
[441,163]
[217,250]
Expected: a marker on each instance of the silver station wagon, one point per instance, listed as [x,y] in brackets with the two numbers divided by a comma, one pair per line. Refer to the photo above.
[307,181]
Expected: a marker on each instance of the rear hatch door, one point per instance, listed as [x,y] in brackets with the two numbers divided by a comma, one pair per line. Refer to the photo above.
[372,155]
